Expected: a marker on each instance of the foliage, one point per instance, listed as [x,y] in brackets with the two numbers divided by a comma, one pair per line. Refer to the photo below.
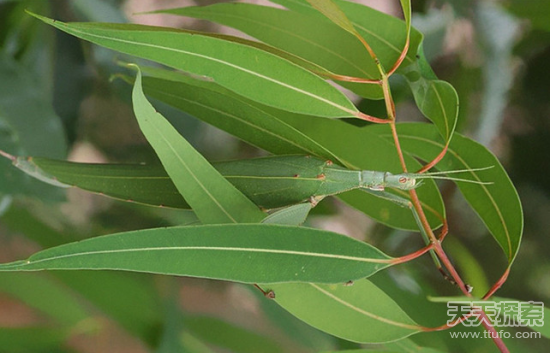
[243,221]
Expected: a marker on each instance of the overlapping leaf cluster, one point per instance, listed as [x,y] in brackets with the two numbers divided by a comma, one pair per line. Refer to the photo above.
[275,95]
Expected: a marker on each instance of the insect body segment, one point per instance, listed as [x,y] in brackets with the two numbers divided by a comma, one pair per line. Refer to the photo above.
[403,181]
[270,182]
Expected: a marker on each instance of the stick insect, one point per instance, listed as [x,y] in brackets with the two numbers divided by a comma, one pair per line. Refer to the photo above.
[270,182]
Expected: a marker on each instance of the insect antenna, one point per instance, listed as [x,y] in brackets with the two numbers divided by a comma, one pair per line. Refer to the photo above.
[458,171]
[441,176]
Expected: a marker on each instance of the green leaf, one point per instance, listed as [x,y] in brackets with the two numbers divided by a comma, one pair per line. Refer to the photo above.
[408,345]
[359,313]
[246,70]
[309,38]
[219,107]
[211,196]
[385,34]
[247,253]
[436,99]
[295,329]
[144,184]
[497,205]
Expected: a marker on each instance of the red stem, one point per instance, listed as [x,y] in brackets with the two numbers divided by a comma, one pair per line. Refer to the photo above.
[436,160]
[372,119]
[354,79]
[412,256]
[401,57]
[497,285]
[435,243]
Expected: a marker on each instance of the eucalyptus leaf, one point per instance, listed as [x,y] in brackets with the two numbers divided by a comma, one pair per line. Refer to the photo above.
[236,252]
[214,105]
[436,99]
[249,71]
[211,196]
[385,34]
[359,313]
[314,40]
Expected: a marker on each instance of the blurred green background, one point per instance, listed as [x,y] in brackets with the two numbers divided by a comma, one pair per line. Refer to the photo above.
[57,100]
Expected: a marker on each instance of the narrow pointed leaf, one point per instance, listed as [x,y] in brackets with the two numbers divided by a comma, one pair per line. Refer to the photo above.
[144,184]
[436,99]
[211,196]
[214,105]
[243,253]
[318,41]
[498,204]
[359,313]
[270,182]
[249,71]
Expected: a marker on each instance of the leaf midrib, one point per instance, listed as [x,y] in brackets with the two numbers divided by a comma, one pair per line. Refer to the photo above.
[253,73]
